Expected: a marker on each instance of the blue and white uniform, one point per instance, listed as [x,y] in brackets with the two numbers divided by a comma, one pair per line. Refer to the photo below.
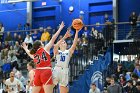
[61,70]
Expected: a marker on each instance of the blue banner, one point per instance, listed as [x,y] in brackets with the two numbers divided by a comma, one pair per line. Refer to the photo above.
[92,75]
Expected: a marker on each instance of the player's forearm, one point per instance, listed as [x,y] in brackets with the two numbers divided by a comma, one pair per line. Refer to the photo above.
[27,51]
[56,34]
[75,40]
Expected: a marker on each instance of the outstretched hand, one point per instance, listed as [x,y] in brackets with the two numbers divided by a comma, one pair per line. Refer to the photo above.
[24,46]
[67,34]
[61,25]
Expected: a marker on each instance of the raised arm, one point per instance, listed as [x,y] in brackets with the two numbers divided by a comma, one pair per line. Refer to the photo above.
[25,47]
[56,46]
[51,42]
[74,43]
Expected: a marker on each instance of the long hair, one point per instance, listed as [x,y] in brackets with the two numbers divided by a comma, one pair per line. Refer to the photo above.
[31,64]
[36,46]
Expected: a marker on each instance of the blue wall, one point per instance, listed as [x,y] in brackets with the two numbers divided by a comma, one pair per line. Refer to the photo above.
[11,15]
[90,8]
[54,12]
[126,7]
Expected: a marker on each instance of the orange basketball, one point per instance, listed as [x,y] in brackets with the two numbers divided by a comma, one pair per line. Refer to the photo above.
[77,24]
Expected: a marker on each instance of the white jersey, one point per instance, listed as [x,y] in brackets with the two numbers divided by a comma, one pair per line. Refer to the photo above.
[13,86]
[63,58]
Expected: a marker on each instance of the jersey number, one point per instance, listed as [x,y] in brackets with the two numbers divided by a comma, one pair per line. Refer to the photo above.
[62,58]
[43,57]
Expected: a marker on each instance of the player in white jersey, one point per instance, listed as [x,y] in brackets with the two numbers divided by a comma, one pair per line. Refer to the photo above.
[60,72]
[12,84]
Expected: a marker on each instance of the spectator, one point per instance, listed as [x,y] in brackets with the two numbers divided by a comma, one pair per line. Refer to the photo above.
[136,60]
[15,38]
[29,41]
[6,45]
[4,53]
[133,21]
[6,67]
[53,32]
[129,88]
[137,69]
[94,89]
[108,33]
[11,51]
[8,37]
[106,18]
[22,79]
[45,37]
[13,60]
[27,28]
[86,33]
[16,72]
[94,33]
[12,84]
[128,76]
[138,87]
[129,65]
[85,46]
[21,55]
[120,70]
[134,78]
[20,39]
[49,29]
[19,28]
[113,87]
[107,82]
[16,46]
[79,46]
[122,80]
[36,36]
[1,31]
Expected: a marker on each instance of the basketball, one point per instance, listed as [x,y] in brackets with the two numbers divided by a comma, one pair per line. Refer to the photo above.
[77,24]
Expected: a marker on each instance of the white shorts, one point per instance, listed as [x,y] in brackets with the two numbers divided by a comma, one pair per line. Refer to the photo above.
[61,76]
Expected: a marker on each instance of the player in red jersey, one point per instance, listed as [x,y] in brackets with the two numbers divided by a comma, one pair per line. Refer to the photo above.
[41,57]
[31,69]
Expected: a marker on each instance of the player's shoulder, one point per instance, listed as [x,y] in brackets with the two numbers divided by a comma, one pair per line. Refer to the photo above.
[32,71]
[7,80]
[67,50]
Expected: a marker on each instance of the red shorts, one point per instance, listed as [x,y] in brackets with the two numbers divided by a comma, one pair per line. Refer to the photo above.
[43,77]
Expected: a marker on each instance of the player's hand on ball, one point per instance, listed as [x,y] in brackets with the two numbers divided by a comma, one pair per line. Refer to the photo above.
[77,24]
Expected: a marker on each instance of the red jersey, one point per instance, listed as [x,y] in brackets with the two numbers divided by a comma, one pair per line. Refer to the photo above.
[42,58]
